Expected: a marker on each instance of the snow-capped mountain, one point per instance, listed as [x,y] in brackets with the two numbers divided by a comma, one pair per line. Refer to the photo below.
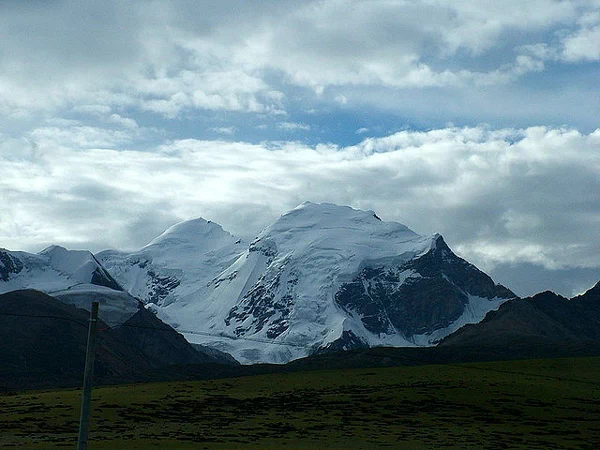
[72,276]
[53,269]
[321,277]
[176,264]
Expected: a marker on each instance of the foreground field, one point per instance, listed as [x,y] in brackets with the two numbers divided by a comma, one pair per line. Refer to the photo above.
[549,404]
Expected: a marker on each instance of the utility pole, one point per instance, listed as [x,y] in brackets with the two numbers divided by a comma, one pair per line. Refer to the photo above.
[86,400]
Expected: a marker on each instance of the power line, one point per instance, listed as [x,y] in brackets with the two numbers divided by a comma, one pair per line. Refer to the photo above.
[167,329]
[245,338]
[45,316]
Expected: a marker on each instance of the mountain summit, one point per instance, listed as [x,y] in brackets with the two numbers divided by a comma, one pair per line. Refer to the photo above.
[321,277]
[175,264]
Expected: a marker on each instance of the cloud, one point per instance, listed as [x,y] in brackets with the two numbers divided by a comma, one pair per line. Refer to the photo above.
[224,130]
[97,110]
[123,121]
[583,45]
[231,90]
[293,126]
[499,196]
[405,44]
[67,54]
[341,99]
[154,57]
[580,44]
[80,137]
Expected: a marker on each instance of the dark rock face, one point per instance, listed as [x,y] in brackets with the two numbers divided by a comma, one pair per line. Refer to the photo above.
[386,305]
[218,355]
[420,296]
[265,246]
[441,261]
[160,343]
[347,341]
[51,346]
[160,287]
[101,277]
[258,307]
[9,265]
[589,300]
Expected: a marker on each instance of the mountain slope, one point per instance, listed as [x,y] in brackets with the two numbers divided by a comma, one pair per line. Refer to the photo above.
[162,345]
[321,277]
[436,291]
[49,349]
[545,318]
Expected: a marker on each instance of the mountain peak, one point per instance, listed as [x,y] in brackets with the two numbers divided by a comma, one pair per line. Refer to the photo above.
[339,230]
[65,260]
[59,252]
[52,249]
[190,231]
[330,215]
[322,274]
[328,208]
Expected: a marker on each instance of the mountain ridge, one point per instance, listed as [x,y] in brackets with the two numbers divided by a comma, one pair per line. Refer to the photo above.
[544,318]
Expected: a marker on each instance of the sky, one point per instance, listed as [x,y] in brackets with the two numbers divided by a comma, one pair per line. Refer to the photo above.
[475,119]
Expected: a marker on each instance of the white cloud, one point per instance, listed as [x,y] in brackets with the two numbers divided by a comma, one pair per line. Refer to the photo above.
[163,58]
[583,45]
[81,81]
[231,90]
[80,137]
[341,99]
[498,196]
[123,121]
[293,126]
[97,110]
[224,130]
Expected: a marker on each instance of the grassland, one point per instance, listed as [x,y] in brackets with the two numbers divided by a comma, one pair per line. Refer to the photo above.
[537,404]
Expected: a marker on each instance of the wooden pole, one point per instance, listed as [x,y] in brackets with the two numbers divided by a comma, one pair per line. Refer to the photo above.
[86,400]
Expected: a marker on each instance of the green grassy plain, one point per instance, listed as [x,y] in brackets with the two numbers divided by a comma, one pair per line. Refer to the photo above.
[536,404]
